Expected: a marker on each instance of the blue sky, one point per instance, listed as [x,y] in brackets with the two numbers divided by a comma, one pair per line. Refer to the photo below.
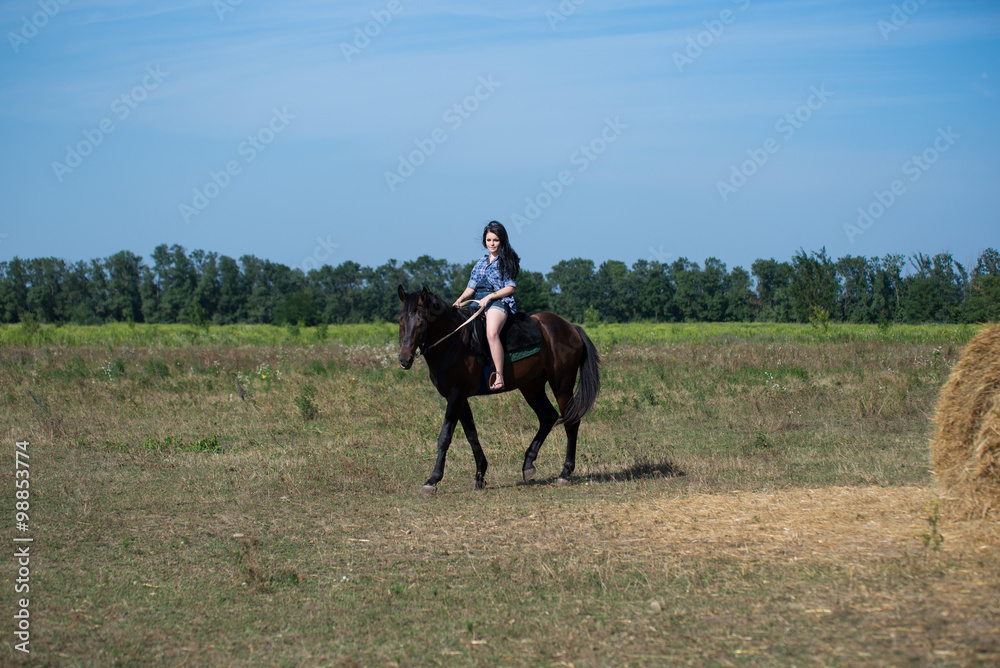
[628,130]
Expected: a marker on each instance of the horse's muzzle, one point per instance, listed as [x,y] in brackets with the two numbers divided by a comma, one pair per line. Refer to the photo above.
[405,361]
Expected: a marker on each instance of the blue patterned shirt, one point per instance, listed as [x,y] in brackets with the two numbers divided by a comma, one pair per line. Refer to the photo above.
[491,272]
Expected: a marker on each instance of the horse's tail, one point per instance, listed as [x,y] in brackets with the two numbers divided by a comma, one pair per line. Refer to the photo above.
[589,385]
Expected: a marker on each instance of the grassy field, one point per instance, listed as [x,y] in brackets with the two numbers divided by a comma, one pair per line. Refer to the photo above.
[131,335]
[744,495]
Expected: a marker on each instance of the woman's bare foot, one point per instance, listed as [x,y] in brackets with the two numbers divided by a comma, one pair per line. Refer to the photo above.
[497,382]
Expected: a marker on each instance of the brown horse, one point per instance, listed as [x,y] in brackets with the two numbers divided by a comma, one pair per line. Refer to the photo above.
[566,352]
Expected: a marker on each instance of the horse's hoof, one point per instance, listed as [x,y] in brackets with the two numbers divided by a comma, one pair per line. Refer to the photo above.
[428,489]
[478,484]
[563,482]
[528,474]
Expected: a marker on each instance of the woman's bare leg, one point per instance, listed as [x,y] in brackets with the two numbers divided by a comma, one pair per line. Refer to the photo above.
[495,319]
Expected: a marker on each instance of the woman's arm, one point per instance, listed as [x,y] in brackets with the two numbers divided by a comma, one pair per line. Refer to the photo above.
[468,292]
[501,293]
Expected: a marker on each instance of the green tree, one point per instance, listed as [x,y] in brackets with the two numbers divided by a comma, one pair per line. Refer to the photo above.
[207,290]
[532,292]
[297,307]
[124,295]
[169,286]
[856,300]
[232,292]
[572,287]
[13,290]
[179,289]
[341,291]
[774,294]
[84,294]
[46,276]
[713,280]
[934,289]
[887,286]
[653,290]
[613,296]
[149,293]
[983,301]
[259,290]
[740,300]
[814,286]
[381,301]
[426,272]
[689,297]
[460,279]
[271,282]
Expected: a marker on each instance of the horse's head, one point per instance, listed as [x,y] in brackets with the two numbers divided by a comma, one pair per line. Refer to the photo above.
[424,315]
[413,324]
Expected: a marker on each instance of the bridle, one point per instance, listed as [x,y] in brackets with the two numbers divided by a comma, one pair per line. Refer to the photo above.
[482,307]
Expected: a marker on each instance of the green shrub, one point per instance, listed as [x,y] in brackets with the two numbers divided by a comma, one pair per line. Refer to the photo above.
[316,368]
[157,368]
[306,402]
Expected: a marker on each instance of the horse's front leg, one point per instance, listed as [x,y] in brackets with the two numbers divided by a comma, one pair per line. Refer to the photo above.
[451,415]
[469,426]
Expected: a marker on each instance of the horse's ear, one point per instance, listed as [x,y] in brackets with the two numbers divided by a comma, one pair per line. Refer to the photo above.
[423,296]
[402,294]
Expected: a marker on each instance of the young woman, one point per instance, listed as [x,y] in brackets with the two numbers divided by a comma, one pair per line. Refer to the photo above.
[493,281]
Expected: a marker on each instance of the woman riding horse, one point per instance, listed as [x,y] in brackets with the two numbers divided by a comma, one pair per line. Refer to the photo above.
[438,330]
[493,281]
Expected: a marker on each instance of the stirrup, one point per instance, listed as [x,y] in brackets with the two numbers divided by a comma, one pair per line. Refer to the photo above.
[493,379]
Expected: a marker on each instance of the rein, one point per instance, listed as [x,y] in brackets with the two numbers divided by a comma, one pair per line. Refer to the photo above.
[455,331]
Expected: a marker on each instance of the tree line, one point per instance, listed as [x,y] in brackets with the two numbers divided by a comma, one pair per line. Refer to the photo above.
[207,288]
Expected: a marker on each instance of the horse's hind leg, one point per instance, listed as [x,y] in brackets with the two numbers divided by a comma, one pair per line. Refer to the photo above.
[547,417]
[570,463]
[564,398]
[469,426]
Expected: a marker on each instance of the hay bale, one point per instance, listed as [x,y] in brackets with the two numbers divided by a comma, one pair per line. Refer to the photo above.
[965,451]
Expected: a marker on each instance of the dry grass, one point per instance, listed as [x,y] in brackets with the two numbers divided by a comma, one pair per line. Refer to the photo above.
[775,500]
[841,573]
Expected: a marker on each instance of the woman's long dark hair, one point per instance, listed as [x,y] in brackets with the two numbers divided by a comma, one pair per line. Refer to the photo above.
[510,263]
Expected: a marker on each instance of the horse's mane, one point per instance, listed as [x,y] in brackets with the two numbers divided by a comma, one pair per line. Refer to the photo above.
[434,303]
[437,307]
